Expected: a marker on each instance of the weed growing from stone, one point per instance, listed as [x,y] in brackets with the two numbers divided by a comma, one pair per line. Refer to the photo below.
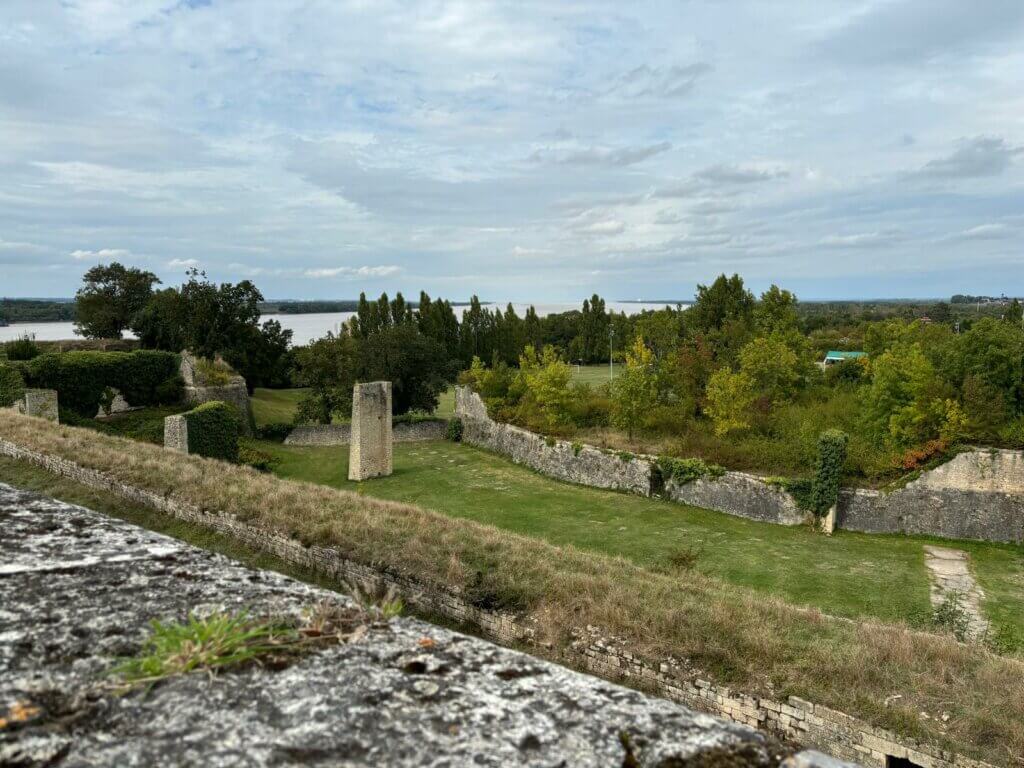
[950,616]
[223,641]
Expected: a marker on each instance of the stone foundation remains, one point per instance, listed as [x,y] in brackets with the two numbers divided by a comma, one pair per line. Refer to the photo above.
[42,403]
[793,719]
[340,434]
[234,392]
[370,446]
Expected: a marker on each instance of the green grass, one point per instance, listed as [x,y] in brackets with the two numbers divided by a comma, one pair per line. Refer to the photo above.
[849,574]
[275,406]
[146,424]
[594,375]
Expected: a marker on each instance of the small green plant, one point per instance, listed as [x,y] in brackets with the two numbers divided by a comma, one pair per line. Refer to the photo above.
[550,442]
[683,471]
[250,455]
[625,456]
[453,430]
[214,642]
[213,373]
[22,348]
[685,558]
[382,604]
[950,616]
[577,448]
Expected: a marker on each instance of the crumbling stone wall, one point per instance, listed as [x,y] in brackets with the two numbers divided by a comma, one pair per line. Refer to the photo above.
[369,453]
[575,463]
[340,434]
[741,495]
[42,403]
[234,393]
[977,495]
[800,721]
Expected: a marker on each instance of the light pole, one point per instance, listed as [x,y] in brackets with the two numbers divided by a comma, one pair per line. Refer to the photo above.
[611,350]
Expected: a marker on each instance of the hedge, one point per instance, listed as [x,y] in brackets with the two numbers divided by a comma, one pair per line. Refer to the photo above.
[213,430]
[12,386]
[82,379]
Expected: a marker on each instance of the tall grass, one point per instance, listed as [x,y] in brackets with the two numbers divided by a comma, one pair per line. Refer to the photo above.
[737,637]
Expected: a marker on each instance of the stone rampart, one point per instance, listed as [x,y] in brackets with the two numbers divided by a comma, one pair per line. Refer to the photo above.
[340,434]
[741,495]
[573,462]
[979,494]
[794,719]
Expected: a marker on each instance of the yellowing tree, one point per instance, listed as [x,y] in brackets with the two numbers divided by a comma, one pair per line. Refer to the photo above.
[546,379]
[730,397]
[635,392]
[772,366]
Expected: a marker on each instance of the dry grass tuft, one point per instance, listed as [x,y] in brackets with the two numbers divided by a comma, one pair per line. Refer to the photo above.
[739,638]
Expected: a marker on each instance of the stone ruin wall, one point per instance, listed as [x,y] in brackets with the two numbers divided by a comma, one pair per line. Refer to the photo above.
[235,393]
[802,722]
[977,495]
[340,434]
[370,452]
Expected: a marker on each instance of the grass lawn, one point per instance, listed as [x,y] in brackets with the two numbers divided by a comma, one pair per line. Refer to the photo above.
[275,406]
[594,375]
[849,574]
[270,406]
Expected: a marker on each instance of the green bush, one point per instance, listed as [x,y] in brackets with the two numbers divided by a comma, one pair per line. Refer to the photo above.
[24,348]
[12,386]
[250,455]
[828,470]
[82,378]
[453,431]
[213,430]
[684,471]
[275,432]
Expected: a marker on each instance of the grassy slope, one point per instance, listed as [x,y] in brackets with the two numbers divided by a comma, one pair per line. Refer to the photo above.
[849,574]
[744,639]
[278,405]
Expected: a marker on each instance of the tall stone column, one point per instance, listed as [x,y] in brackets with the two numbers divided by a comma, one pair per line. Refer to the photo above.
[369,453]
[42,403]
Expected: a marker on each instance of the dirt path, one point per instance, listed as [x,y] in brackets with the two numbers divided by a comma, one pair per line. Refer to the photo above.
[951,578]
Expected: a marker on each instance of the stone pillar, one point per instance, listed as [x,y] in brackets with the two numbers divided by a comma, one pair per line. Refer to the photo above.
[42,403]
[369,453]
[176,433]
[828,522]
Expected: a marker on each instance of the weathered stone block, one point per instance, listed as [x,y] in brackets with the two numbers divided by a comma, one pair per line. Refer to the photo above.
[42,403]
[370,447]
[176,433]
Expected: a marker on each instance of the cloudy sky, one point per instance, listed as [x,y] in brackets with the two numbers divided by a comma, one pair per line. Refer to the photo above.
[522,150]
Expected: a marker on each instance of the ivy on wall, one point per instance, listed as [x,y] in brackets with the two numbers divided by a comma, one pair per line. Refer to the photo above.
[213,431]
[83,378]
[828,470]
[12,386]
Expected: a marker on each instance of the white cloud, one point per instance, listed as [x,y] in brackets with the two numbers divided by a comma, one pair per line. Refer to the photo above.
[103,254]
[182,263]
[353,272]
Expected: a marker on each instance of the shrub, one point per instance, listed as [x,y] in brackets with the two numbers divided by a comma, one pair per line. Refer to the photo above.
[684,471]
[213,430]
[213,373]
[24,348]
[453,430]
[828,470]
[684,558]
[12,386]
[252,456]
[916,458]
[276,432]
